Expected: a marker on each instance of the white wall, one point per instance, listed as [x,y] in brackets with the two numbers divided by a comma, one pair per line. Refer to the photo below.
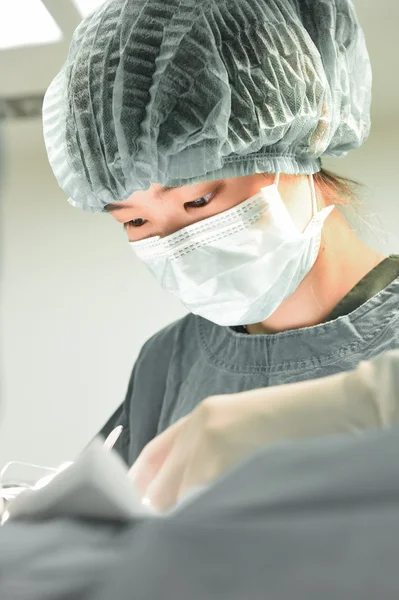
[76,308]
[77,305]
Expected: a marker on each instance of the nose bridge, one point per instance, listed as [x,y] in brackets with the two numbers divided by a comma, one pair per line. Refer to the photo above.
[168,217]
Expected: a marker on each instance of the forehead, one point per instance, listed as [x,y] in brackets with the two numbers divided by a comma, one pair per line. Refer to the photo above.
[120,205]
[195,188]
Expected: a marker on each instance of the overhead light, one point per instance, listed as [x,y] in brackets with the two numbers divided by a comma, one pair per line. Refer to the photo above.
[85,7]
[26,23]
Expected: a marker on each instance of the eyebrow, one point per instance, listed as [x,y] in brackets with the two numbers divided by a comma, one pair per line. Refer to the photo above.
[113,207]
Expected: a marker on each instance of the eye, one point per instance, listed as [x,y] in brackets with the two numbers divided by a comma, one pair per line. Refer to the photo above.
[199,203]
[135,223]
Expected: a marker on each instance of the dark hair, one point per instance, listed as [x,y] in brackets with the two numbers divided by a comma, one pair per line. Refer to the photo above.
[337,189]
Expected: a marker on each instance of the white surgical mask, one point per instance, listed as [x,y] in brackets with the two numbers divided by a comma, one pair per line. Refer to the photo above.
[237,267]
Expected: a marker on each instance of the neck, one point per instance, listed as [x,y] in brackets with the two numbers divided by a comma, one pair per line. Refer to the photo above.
[343,260]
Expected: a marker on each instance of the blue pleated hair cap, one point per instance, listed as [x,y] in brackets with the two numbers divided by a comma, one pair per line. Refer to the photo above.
[178,92]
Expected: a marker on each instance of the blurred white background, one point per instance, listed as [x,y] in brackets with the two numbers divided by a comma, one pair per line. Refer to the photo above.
[76,305]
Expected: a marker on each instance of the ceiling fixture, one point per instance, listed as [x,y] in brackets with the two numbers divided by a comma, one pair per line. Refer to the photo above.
[85,7]
[26,23]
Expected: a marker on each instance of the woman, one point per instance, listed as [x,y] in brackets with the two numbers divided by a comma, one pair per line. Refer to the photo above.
[201,127]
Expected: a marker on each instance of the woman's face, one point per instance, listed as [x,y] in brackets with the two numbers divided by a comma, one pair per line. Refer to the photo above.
[161,211]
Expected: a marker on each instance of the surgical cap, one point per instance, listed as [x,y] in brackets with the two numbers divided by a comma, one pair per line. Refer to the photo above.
[176,93]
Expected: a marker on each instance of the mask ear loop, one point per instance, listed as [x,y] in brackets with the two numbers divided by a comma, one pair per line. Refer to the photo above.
[312,188]
[314,196]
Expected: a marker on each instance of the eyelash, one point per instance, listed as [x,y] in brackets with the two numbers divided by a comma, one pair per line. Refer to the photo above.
[209,197]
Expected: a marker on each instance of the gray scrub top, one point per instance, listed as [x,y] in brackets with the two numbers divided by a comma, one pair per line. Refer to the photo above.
[192,359]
